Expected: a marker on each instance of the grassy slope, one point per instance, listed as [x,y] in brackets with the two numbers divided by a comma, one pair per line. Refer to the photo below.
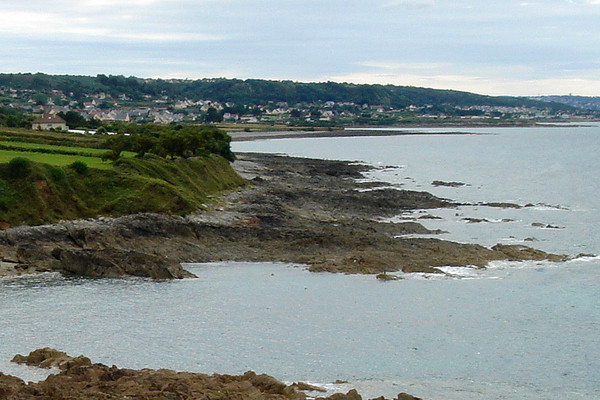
[51,192]
[54,159]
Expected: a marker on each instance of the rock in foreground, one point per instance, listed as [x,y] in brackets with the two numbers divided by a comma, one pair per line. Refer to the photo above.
[80,379]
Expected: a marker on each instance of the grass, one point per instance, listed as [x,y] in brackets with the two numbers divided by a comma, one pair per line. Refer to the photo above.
[49,137]
[46,193]
[54,148]
[40,186]
[54,159]
[29,145]
[84,151]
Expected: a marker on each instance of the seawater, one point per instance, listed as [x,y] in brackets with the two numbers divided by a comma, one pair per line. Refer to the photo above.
[516,330]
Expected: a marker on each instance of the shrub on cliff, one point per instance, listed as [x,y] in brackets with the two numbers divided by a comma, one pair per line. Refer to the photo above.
[19,167]
[80,167]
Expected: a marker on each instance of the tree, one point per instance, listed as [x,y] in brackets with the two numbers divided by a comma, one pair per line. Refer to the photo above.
[74,119]
[213,115]
[143,144]
[40,99]
[116,144]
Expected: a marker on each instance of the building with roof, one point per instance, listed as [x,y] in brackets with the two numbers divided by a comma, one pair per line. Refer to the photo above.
[49,121]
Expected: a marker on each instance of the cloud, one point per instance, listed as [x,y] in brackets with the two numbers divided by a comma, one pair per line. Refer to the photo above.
[478,84]
[78,28]
[514,80]
[447,44]
[409,3]
[391,66]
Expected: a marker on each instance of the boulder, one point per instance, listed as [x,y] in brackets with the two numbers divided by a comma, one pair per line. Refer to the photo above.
[50,358]
[351,395]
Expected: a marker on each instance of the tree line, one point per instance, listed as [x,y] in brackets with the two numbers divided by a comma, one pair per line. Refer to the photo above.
[169,141]
[260,92]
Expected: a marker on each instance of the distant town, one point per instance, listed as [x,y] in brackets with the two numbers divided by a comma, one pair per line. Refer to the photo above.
[95,107]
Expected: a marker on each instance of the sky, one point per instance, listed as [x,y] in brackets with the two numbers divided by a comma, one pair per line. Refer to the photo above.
[503,47]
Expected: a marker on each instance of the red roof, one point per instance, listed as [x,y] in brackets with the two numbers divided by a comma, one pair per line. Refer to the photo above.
[49,119]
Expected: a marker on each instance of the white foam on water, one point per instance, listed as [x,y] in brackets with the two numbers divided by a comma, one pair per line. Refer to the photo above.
[26,372]
[377,188]
[505,264]
[461,272]
[585,259]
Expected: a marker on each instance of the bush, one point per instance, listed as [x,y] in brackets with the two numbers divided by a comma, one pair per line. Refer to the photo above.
[110,155]
[57,173]
[80,167]
[19,167]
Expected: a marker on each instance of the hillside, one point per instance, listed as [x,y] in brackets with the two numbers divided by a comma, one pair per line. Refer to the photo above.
[47,176]
[34,193]
[259,92]
[585,102]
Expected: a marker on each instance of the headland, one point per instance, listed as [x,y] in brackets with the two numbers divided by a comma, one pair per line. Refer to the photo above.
[295,210]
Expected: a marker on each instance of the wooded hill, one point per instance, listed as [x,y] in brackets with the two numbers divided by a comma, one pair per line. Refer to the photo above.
[259,92]
[585,102]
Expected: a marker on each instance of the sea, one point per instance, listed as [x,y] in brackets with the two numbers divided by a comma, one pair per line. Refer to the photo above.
[514,330]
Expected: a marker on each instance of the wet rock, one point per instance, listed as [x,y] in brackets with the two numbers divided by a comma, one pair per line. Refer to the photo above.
[475,220]
[519,253]
[501,205]
[303,386]
[11,387]
[448,184]
[546,226]
[80,379]
[36,256]
[111,263]
[351,395]
[266,383]
[413,228]
[50,358]
[387,277]
[406,396]
[429,216]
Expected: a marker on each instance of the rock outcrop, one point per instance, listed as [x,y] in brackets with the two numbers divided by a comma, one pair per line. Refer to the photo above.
[80,379]
[297,210]
[50,358]
[111,263]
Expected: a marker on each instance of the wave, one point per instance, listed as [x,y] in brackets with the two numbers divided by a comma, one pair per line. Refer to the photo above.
[496,269]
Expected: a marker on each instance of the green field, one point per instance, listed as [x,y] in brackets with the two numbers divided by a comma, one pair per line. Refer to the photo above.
[85,151]
[37,147]
[54,159]
[40,184]
[76,149]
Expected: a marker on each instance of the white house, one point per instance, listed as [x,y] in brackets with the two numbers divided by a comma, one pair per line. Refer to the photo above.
[49,121]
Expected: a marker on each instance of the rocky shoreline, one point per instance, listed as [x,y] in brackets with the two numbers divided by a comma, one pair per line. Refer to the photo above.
[79,378]
[295,210]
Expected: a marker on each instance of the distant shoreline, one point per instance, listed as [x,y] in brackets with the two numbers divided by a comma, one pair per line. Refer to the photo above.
[247,136]
[264,135]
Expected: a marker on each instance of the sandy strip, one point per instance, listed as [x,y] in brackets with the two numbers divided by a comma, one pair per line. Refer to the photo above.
[263,135]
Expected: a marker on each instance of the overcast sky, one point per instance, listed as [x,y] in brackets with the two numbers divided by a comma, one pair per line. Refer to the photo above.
[503,47]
